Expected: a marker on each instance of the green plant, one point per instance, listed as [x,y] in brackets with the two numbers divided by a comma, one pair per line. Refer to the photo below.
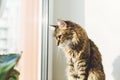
[7,64]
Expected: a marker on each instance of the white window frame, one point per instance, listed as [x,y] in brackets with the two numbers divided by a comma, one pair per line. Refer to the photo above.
[43,39]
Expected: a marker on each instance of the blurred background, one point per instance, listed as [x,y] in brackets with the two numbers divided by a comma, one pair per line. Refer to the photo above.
[9,25]
[19,32]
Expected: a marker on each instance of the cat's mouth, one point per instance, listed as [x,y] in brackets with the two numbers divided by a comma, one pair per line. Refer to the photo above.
[58,42]
[65,44]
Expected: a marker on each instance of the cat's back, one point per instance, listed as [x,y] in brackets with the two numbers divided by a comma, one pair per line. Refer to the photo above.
[96,71]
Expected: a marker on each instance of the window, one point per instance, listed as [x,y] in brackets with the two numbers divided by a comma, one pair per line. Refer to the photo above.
[19,32]
[9,27]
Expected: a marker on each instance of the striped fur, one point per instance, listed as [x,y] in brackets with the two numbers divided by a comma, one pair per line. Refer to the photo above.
[83,57]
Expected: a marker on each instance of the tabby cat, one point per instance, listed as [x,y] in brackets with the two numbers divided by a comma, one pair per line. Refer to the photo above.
[83,57]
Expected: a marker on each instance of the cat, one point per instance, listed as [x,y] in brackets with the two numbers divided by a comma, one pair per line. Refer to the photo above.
[83,57]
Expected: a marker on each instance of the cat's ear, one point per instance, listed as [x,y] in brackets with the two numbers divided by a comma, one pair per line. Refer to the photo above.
[62,24]
[52,27]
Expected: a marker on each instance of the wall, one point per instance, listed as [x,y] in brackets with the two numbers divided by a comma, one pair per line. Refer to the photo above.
[102,19]
[68,10]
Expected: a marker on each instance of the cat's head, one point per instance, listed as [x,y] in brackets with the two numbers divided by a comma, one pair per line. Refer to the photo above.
[65,33]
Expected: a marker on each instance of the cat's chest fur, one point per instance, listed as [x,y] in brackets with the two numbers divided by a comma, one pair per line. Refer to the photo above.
[75,64]
[72,58]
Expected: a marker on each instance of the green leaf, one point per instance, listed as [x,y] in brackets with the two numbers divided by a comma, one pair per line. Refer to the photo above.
[7,62]
[13,75]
